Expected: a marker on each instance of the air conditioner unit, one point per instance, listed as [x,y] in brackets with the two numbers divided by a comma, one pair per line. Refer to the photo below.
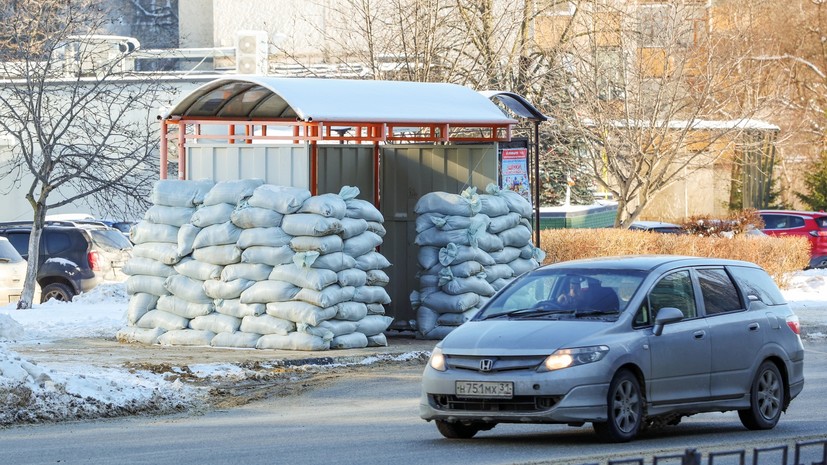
[251,52]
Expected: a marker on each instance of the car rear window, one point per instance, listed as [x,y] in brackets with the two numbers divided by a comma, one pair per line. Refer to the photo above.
[8,254]
[757,284]
[109,239]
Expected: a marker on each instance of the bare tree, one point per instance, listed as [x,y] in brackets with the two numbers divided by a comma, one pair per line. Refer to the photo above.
[81,128]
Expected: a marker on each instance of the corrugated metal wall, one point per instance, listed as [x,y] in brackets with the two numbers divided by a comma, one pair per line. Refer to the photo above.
[407,173]
[282,165]
[346,165]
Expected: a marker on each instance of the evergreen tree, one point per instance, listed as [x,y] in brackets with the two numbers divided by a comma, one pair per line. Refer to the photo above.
[816,182]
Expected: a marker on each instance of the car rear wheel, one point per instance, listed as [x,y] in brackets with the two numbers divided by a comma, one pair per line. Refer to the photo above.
[57,291]
[625,410]
[457,430]
[766,399]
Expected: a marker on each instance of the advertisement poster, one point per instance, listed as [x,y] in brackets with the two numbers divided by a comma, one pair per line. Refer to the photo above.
[514,171]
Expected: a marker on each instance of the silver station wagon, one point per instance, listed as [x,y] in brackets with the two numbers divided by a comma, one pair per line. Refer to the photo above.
[623,343]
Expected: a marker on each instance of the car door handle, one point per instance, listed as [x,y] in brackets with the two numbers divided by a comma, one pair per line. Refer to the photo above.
[699,334]
[754,326]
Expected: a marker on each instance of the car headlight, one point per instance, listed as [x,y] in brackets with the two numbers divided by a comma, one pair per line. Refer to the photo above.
[565,358]
[437,360]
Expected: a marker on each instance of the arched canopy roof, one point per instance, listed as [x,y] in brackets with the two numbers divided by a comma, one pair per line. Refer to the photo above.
[337,100]
[516,103]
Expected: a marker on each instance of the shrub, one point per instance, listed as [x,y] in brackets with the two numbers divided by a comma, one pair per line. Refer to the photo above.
[735,223]
[778,256]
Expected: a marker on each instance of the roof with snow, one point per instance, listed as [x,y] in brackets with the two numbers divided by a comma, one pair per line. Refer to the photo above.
[338,100]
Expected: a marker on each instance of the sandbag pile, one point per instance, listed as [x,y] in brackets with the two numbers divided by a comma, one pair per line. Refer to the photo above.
[470,246]
[250,265]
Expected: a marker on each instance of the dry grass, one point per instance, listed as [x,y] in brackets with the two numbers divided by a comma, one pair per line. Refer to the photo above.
[778,256]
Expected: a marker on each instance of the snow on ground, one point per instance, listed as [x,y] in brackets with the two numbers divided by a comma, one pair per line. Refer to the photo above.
[32,393]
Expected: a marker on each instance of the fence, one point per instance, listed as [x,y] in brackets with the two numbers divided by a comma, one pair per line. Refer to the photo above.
[805,453]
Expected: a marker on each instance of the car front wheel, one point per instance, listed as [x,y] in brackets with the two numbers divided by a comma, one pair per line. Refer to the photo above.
[57,291]
[457,430]
[766,399]
[625,410]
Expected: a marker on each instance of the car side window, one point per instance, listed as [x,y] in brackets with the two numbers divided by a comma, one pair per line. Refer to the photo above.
[796,222]
[20,241]
[757,285]
[674,290]
[56,242]
[718,291]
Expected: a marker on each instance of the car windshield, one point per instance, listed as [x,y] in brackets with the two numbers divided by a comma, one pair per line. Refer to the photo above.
[561,293]
[110,239]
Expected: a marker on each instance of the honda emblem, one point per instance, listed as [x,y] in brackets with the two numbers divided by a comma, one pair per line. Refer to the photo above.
[486,364]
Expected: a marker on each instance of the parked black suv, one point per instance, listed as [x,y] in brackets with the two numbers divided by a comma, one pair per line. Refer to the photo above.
[74,256]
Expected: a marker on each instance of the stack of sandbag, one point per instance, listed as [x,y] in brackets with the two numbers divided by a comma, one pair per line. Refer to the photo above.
[471,245]
[262,266]
[155,254]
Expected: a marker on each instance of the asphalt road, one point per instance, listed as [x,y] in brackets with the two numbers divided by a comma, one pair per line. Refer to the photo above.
[371,417]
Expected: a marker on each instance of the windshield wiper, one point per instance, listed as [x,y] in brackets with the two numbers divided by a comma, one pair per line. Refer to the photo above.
[529,312]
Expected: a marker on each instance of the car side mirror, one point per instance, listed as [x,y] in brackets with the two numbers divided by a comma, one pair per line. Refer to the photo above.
[665,316]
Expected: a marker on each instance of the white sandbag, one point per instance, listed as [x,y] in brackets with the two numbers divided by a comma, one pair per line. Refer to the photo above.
[174,216]
[338,327]
[139,284]
[323,333]
[264,255]
[456,319]
[195,269]
[438,332]
[269,291]
[353,277]
[517,236]
[186,337]
[282,199]
[376,278]
[373,324]
[161,319]
[447,204]
[267,324]
[493,205]
[351,311]
[377,228]
[328,205]
[361,244]
[516,202]
[441,302]
[377,340]
[522,265]
[132,334]
[293,341]
[218,255]
[428,257]
[217,234]
[499,271]
[250,271]
[452,254]
[139,304]
[352,227]
[186,237]
[439,238]
[301,312]
[460,270]
[212,214]
[441,222]
[232,192]
[460,286]
[371,295]
[428,280]
[147,267]
[327,297]
[180,307]
[145,231]
[323,245]
[349,193]
[269,237]
[425,320]
[506,255]
[311,278]
[234,307]
[216,323]
[375,309]
[501,223]
[529,251]
[310,224]
[500,283]
[191,290]
[246,216]
[237,340]
[349,341]
[336,261]
[358,208]
[164,252]
[372,261]
[220,289]
[180,193]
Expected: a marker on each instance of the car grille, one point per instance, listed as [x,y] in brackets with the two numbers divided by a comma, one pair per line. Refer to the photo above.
[515,404]
[493,364]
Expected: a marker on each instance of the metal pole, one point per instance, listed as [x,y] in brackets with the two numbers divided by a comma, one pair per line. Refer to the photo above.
[537,183]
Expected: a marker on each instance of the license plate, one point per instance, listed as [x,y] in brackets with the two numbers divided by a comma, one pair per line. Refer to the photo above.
[485,389]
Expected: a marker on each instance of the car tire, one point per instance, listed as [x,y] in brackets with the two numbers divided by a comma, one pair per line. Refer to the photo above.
[457,430]
[766,399]
[624,409]
[57,291]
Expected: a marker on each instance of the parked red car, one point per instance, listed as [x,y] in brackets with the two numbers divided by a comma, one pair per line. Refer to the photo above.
[812,225]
